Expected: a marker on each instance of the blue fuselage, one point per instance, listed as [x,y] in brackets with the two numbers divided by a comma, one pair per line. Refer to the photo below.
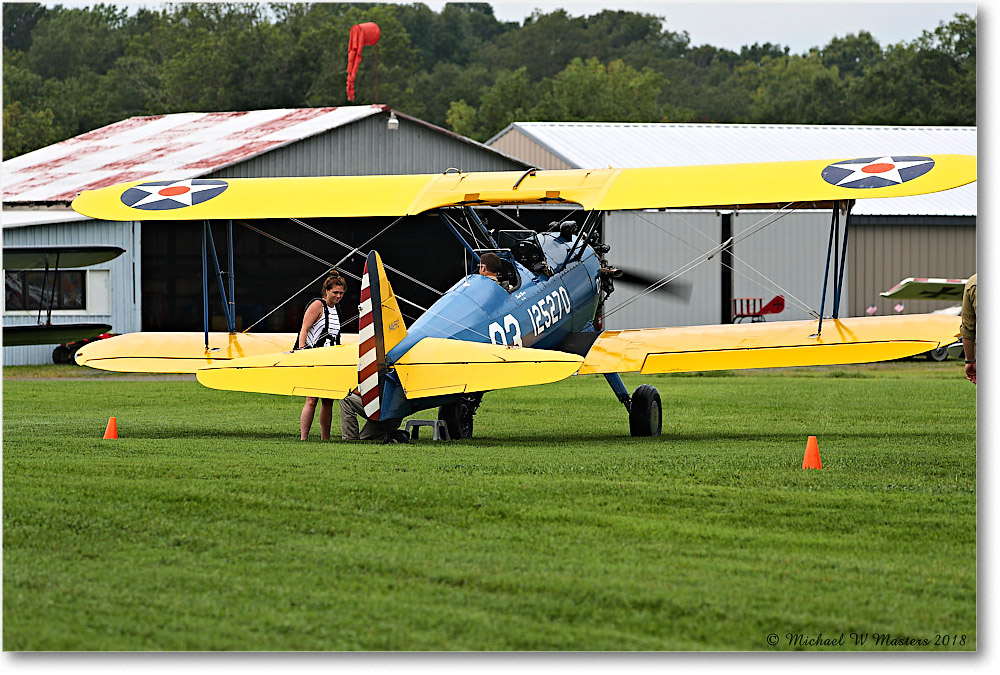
[539,313]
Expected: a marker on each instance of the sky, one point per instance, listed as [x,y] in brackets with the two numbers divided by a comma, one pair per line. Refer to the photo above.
[730,25]
[798,25]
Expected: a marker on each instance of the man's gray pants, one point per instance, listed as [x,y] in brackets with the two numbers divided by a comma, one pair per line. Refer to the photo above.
[350,408]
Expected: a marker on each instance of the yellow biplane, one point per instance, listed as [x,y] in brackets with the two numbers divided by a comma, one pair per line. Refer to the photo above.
[536,323]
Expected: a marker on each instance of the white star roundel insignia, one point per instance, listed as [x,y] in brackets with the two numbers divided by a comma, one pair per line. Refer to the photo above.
[876,172]
[172,194]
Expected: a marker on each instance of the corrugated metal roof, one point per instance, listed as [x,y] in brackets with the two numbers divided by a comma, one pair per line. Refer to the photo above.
[181,145]
[600,144]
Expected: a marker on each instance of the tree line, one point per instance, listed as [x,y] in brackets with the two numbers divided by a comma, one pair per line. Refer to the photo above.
[69,70]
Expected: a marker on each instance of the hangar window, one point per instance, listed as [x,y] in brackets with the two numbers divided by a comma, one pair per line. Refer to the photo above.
[34,289]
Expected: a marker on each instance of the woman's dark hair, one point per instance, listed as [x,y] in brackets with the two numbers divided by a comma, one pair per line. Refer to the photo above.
[334,279]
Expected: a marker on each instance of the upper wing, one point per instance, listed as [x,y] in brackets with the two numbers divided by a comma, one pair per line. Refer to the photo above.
[603,189]
[927,289]
[768,345]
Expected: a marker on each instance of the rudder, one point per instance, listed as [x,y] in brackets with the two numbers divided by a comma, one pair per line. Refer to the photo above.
[381,328]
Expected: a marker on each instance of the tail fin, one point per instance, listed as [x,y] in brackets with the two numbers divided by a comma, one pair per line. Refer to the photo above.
[381,328]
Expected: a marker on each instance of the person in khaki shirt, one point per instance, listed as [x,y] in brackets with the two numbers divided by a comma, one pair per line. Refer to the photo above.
[969,328]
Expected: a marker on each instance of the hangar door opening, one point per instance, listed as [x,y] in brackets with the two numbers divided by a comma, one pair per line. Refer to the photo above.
[271,265]
[772,254]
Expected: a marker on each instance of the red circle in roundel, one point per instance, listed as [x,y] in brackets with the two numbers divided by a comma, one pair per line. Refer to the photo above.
[878,168]
[172,191]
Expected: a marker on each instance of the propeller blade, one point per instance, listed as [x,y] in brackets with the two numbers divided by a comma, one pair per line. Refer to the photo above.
[677,289]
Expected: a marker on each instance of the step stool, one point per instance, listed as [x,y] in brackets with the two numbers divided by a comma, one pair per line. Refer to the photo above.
[440,428]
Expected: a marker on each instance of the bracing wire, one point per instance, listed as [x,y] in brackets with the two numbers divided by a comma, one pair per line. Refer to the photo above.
[350,274]
[562,220]
[358,250]
[311,256]
[510,219]
[461,227]
[370,240]
[708,255]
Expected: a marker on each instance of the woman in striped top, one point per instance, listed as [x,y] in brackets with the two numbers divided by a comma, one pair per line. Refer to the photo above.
[320,328]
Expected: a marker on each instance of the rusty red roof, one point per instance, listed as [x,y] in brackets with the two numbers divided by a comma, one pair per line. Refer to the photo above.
[176,146]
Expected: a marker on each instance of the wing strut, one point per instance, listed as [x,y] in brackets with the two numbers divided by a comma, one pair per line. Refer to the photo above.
[447,221]
[228,299]
[838,267]
[52,294]
[204,278]
[482,228]
[580,245]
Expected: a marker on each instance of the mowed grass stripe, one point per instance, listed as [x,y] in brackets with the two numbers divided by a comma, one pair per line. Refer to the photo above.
[208,525]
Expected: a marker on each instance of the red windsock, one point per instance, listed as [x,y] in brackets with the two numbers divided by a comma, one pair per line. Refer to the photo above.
[362,35]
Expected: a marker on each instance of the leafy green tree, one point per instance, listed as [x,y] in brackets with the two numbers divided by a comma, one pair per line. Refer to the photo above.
[27,130]
[929,81]
[69,42]
[20,83]
[591,91]
[434,92]
[756,53]
[19,20]
[455,35]
[69,70]
[461,118]
[851,54]
[542,46]
[508,100]
[638,39]
[794,90]
[955,44]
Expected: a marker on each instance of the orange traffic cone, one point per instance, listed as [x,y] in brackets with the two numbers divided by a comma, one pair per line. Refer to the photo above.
[811,459]
[112,430]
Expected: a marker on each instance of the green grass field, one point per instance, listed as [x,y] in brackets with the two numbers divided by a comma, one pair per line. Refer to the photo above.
[209,526]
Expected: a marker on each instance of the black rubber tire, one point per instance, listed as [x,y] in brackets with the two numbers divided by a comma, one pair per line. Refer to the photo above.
[458,417]
[62,355]
[645,417]
[939,354]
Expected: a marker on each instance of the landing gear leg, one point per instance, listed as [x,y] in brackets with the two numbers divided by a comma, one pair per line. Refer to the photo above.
[617,386]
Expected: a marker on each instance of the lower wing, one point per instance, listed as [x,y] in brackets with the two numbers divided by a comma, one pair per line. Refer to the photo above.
[436,366]
[177,352]
[768,345]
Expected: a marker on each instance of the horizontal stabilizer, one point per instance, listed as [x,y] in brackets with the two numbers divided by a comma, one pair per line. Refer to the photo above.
[927,289]
[768,345]
[177,352]
[437,366]
[327,372]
